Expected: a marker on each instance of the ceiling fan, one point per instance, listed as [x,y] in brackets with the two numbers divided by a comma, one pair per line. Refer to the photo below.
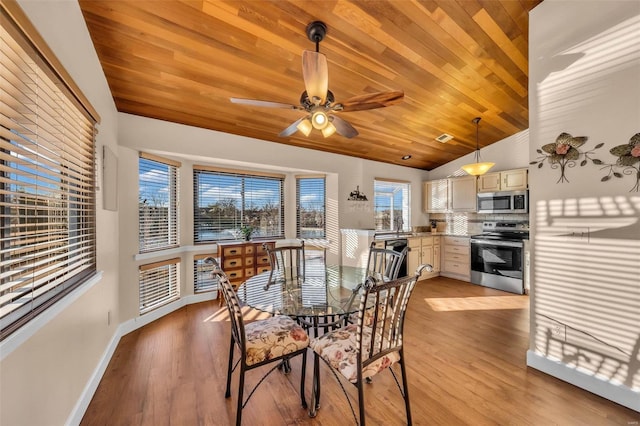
[318,101]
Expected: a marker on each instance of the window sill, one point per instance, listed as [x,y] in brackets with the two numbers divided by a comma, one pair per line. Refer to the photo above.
[201,248]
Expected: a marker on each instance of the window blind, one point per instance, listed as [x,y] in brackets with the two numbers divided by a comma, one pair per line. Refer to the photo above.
[310,207]
[159,284]
[157,203]
[391,205]
[47,183]
[202,279]
[226,200]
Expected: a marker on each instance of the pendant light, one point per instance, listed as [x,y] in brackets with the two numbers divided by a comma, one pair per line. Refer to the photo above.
[478,168]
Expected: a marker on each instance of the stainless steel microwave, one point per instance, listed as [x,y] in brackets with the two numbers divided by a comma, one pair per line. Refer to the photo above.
[503,202]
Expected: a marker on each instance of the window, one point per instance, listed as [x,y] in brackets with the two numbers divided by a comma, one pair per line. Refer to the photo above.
[47,181]
[310,206]
[226,200]
[202,279]
[159,284]
[391,205]
[157,203]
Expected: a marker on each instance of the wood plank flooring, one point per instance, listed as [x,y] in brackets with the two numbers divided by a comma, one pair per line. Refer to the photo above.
[465,348]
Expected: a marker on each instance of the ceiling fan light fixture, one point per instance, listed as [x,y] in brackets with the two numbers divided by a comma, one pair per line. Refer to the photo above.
[478,168]
[319,120]
[305,126]
[329,130]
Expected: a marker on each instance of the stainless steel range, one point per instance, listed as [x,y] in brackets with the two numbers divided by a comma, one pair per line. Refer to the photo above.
[497,256]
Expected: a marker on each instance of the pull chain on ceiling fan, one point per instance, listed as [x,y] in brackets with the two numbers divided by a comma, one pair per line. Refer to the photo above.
[318,101]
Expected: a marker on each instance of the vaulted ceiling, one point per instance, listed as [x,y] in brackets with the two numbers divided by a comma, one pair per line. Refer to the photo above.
[181,61]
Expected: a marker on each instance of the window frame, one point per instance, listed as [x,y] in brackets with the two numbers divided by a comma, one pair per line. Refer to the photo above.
[200,171]
[405,204]
[48,246]
[323,194]
[172,230]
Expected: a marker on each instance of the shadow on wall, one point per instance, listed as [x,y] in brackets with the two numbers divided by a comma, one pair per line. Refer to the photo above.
[586,285]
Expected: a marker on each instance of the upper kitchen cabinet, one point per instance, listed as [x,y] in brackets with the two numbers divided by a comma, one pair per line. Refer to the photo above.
[447,195]
[462,194]
[507,180]
[436,196]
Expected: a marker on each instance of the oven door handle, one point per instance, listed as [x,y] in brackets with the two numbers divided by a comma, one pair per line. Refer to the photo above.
[497,243]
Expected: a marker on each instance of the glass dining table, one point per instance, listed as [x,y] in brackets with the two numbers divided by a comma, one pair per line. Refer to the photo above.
[319,299]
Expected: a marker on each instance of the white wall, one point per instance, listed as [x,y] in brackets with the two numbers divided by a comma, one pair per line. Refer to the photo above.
[585,80]
[46,368]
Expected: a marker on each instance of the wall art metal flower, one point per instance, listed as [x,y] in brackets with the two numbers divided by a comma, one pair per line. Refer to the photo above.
[628,162]
[564,153]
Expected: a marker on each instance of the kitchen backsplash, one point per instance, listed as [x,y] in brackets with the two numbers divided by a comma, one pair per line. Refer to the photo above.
[471,223]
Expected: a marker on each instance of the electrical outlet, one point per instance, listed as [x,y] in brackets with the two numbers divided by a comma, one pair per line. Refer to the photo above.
[577,233]
[559,331]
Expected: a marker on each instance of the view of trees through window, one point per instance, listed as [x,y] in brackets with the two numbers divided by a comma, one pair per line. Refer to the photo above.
[310,195]
[227,203]
[157,206]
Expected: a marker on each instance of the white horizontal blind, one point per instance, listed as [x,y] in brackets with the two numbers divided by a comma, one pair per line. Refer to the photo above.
[47,184]
[159,284]
[224,201]
[391,205]
[157,203]
[310,207]
[202,279]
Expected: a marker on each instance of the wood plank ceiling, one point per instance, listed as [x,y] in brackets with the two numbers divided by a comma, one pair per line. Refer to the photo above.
[181,61]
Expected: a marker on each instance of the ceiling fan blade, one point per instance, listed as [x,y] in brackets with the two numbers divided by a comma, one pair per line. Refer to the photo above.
[291,129]
[343,127]
[316,75]
[268,104]
[373,100]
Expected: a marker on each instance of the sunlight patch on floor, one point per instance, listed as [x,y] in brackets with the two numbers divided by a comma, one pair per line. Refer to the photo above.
[447,304]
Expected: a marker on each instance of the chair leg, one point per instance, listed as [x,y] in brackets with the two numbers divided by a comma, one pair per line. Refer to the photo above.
[240,395]
[315,387]
[303,379]
[361,401]
[228,392]
[405,385]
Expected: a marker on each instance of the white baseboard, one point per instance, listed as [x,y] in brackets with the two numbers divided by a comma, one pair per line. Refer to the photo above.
[617,393]
[123,329]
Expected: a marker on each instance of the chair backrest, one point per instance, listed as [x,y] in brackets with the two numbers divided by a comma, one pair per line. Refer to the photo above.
[233,307]
[385,262]
[382,310]
[288,261]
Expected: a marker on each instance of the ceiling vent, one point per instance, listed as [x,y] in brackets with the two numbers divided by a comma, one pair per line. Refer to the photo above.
[443,138]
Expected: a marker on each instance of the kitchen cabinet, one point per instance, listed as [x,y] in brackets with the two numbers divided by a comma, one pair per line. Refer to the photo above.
[436,196]
[456,258]
[462,194]
[507,180]
[241,260]
[447,195]
[423,250]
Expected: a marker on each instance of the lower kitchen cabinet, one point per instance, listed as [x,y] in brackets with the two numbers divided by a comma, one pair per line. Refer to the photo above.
[456,258]
[423,250]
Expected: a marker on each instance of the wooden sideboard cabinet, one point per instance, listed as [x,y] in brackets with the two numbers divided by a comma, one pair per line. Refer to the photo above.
[241,260]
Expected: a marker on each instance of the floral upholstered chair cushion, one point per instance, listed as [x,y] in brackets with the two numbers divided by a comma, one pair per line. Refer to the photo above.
[339,348]
[272,338]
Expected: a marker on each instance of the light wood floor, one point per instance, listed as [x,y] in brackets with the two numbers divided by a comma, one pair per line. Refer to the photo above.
[465,348]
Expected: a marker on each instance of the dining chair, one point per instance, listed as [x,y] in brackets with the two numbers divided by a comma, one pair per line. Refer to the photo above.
[273,340]
[385,262]
[371,345]
[287,262]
